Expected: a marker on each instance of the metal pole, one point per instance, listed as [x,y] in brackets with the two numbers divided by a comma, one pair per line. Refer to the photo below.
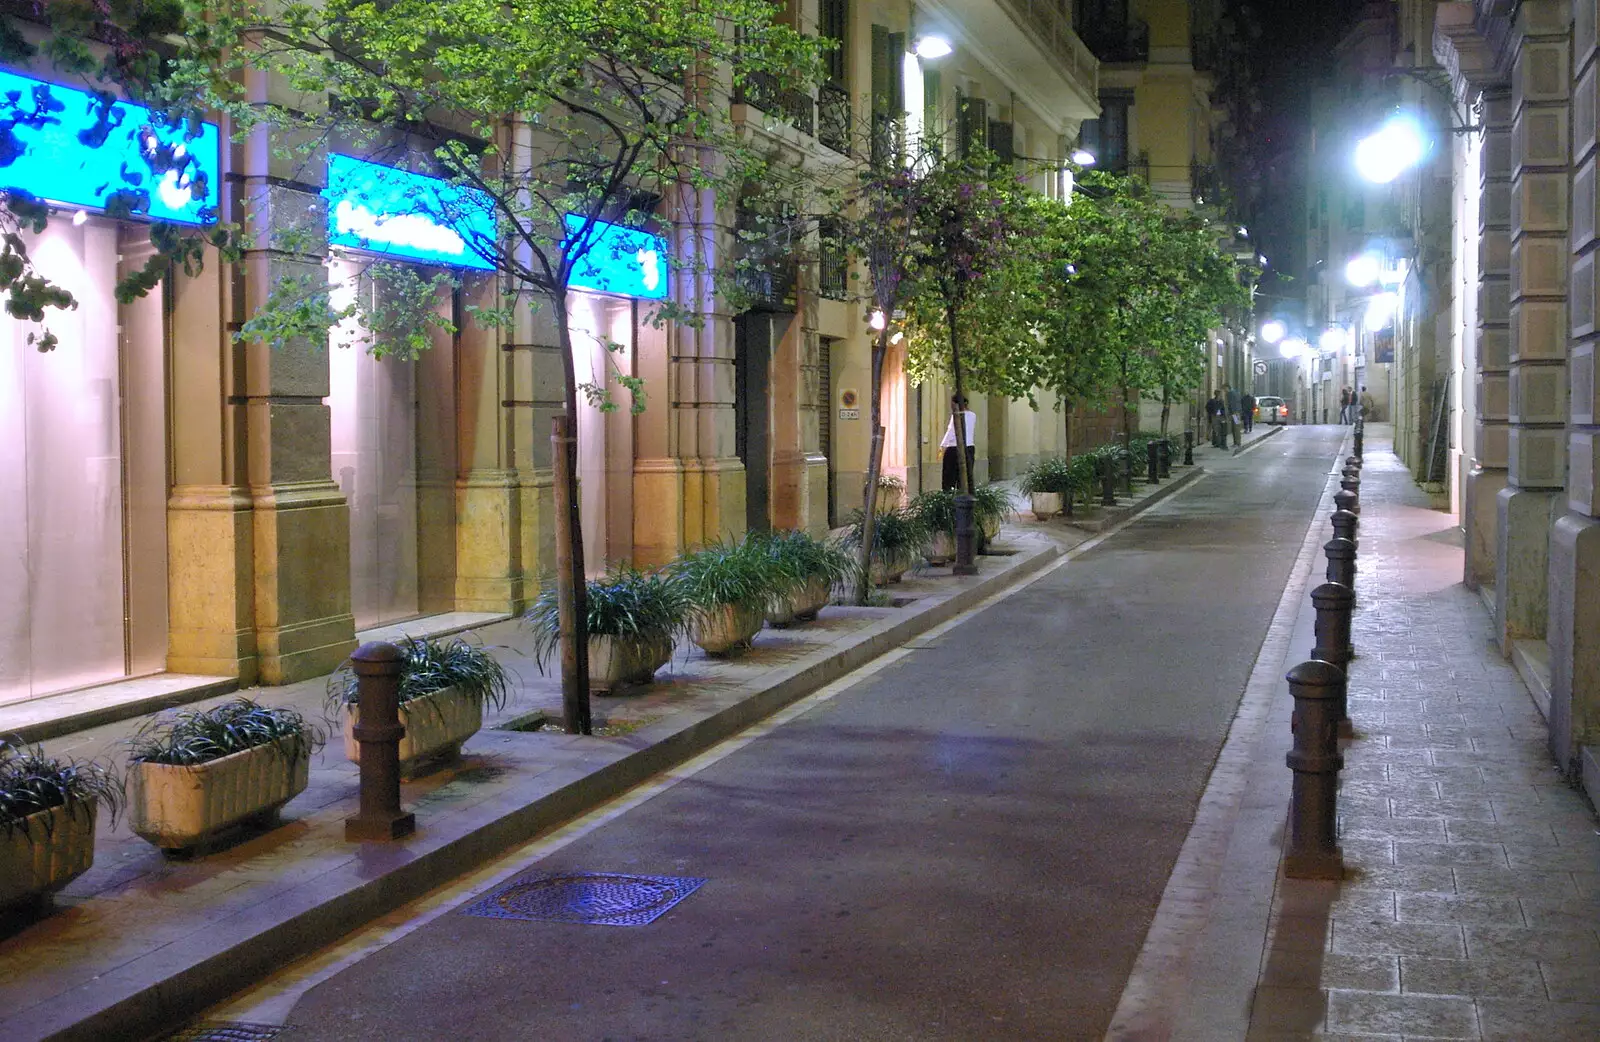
[1346,501]
[1334,604]
[1344,526]
[1341,555]
[966,537]
[1127,467]
[1352,486]
[1188,448]
[378,667]
[1313,853]
[1108,482]
[1166,457]
[1152,462]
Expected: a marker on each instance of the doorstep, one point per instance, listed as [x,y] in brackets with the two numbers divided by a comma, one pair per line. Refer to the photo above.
[428,627]
[138,951]
[39,719]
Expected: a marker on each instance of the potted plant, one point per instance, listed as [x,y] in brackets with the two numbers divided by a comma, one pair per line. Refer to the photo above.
[729,587]
[897,538]
[935,510]
[443,689]
[808,568]
[195,774]
[990,505]
[634,618]
[48,809]
[1049,482]
[891,493]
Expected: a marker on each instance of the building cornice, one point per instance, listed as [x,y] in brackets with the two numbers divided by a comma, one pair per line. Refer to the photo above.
[1472,40]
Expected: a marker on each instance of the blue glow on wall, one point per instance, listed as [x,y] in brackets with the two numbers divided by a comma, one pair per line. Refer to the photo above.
[61,145]
[407,216]
[622,261]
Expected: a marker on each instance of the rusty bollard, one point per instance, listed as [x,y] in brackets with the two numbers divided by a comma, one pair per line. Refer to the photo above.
[1346,501]
[1341,555]
[1317,688]
[377,667]
[1344,526]
[1165,445]
[1188,448]
[1333,632]
[1108,482]
[1152,461]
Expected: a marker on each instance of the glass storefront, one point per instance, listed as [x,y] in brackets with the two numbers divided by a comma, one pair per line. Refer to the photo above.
[83,475]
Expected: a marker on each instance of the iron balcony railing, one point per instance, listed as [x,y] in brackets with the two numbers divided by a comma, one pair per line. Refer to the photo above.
[1119,44]
[833,118]
[1051,21]
[763,91]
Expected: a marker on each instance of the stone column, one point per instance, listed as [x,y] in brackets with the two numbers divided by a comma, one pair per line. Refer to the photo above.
[489,562]
[1574,575]
[1541,84]
[301,525]
[1490,437]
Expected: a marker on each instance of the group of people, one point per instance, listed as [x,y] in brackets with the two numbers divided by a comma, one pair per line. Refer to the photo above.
[1353,406]
[1229,412]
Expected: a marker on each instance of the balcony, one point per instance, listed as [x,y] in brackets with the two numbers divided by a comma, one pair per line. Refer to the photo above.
[1051,21]
[833,118]
[762,91]
[833,263]
[1119,44]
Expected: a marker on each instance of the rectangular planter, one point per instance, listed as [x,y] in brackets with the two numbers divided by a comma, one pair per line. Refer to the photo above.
[179,806]
[721,631]
[613,662]
[435,724]
[46,851]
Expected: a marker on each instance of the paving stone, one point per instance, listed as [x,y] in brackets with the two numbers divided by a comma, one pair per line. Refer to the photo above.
[1542,943]
[1429,1016]
[1354,937]
[1407,852]
[1282,1010]
[1457,908]
[1508,978]
[1525,1020]
[1515,882]
[1571,980]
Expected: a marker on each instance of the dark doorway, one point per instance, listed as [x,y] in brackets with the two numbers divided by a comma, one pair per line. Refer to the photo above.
[825,420]
[755,335]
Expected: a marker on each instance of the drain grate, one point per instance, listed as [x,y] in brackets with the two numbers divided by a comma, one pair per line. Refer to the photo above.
[596,898]
[230,1031]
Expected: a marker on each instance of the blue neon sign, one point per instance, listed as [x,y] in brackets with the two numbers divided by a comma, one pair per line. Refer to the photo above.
[68,147]
[622,261]
[386,210]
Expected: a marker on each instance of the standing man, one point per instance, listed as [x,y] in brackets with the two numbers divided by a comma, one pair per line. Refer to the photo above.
[1247,406]
[1233,413]
[1345,397]
[1367,404]
[1216,410]
[951,476]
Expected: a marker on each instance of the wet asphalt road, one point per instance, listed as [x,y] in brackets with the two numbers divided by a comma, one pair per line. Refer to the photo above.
[968,845]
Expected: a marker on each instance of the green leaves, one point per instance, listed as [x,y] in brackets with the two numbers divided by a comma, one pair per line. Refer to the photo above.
[196,736]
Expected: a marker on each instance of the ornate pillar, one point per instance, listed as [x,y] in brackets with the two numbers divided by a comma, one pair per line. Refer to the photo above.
[1536,451]
[1574,573]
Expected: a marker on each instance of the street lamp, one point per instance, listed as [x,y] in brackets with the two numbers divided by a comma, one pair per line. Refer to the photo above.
[929,47]
[1391,150]
[1293,347]
[1273,331]
[1083,157]
[1332,339]
[1363,270]
[1380,311]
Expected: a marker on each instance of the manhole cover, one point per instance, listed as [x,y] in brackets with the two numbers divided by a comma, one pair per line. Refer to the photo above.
[227,1032]
[598,898]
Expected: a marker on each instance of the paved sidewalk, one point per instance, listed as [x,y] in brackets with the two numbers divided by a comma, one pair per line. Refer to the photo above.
[1471,900]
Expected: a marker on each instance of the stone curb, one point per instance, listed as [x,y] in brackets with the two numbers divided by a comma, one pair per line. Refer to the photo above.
[216,961]
[1115,516]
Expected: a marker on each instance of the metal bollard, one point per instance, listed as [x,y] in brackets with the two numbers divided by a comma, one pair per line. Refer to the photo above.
[1127,468]
[1152,461]
[966,537]
[1188,448]
[1357,445]
[378,667]
[1353,461]
[1346,501]
[1341,555]
[1352,486]
[1344,526]
[1313,853]
[1165,457]
[1108,482]
[1334,603]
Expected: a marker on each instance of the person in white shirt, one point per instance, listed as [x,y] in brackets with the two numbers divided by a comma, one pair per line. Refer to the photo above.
[952,465]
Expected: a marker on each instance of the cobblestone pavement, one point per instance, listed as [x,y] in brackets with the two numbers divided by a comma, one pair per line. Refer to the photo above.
[1472,893]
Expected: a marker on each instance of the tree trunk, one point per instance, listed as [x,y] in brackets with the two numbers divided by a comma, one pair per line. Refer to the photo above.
[956,408]
[571,590]
[1166,409]
[869,497]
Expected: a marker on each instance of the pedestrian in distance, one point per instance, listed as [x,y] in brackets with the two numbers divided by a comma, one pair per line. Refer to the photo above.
[1345,399]
[951,475]
[1247,406]
[1233,413]
[1216,413]
[1367,404]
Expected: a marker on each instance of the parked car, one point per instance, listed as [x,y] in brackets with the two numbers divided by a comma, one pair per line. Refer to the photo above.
[1271,410]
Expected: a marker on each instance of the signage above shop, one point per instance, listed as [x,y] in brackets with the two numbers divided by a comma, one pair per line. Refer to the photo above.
[406,216]
[622,261]
[68,147]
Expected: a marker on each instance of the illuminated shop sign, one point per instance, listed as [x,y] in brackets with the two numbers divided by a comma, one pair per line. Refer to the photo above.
[626,262]
[67,147]
[407,216]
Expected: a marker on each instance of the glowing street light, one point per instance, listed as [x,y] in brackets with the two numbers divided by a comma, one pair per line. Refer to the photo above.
[876,321]
[1083,157]
[1332,339]
[1293,347]
[932,47]
[1394,148]
[1380,311]
[1363,270]
[1273,331]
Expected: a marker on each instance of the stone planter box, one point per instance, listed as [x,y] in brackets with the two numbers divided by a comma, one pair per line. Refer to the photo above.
[614,661]
[436,724]
[802,605]
[1046,505]
[177,807]
[723,630]
[882,573]
[46,851]
[940,548]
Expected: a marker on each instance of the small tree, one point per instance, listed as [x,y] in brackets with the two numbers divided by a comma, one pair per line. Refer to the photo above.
[555,121]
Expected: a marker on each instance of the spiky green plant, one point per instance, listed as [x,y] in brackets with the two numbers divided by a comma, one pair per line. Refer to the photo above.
[31,782]
[799,559]
[897,537]
[991,504]
[433,665]
[626,603]
[195,736]
[1050,474]
[738,575]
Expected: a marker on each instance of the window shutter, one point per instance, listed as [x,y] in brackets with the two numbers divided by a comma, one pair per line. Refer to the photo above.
[1002,142]
[974,125]
[880,69]
[897,76]
[932,111]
